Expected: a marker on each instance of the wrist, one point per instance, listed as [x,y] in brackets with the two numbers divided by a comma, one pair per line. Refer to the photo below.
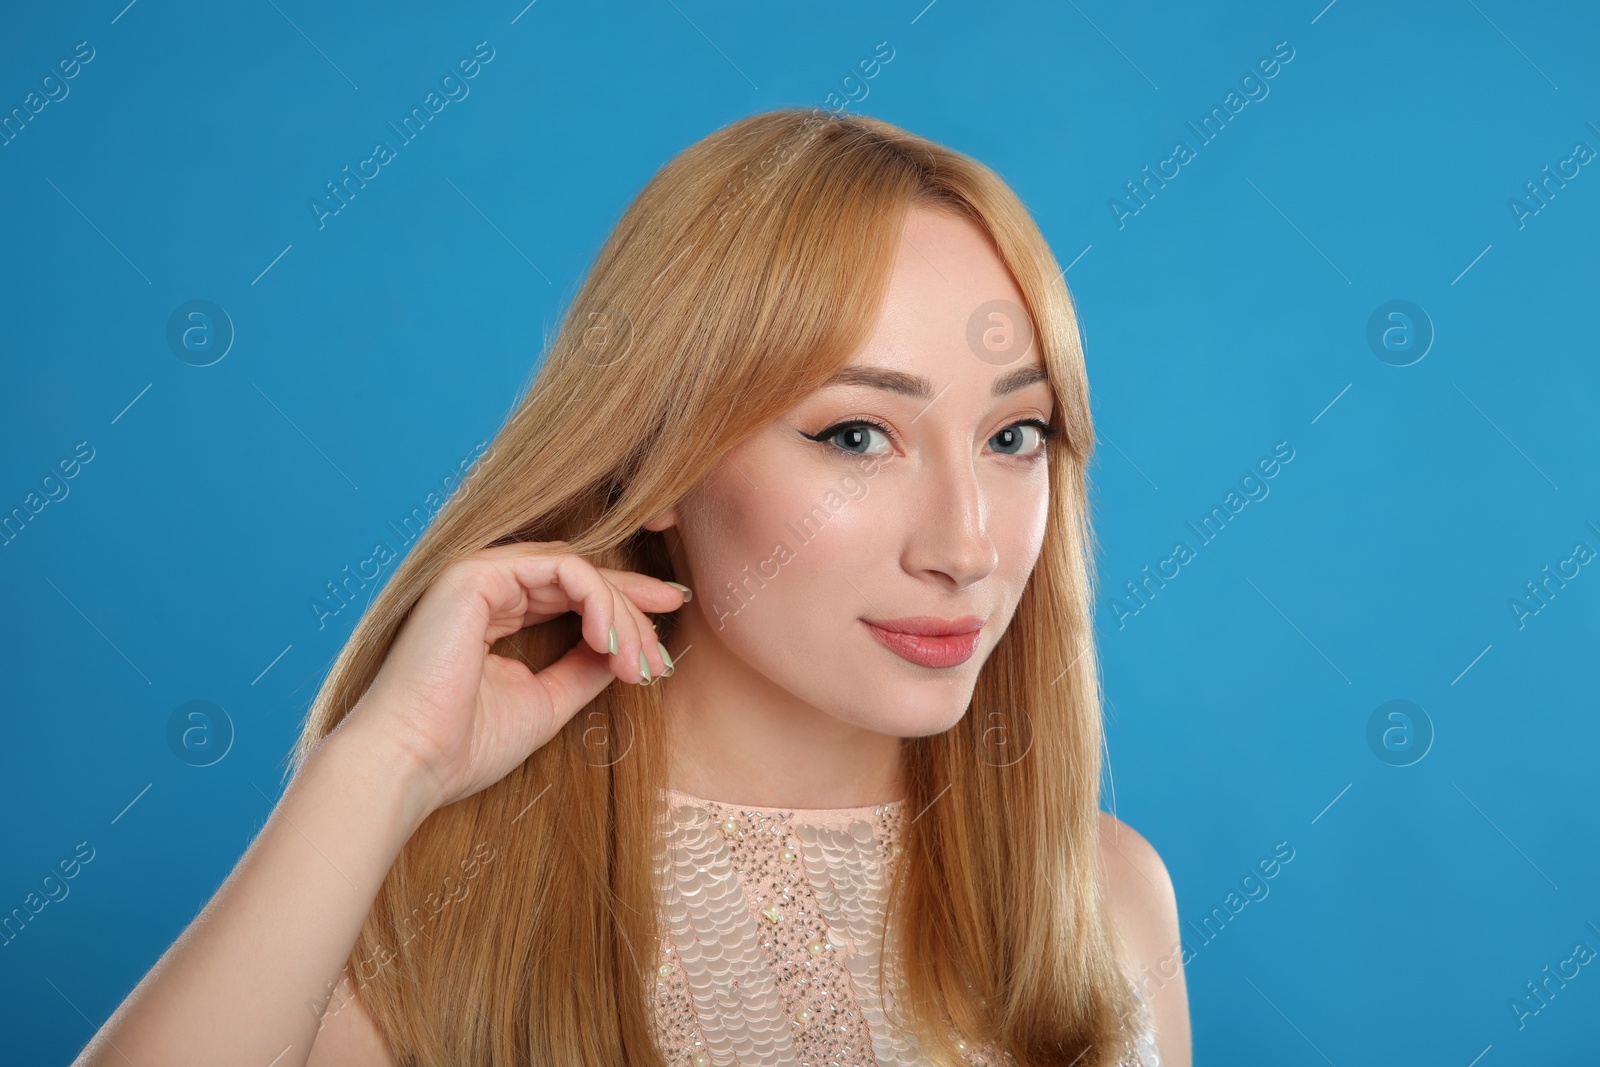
[392,773]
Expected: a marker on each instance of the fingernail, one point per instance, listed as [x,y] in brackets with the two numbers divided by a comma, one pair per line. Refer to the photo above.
[613,640]
[667,659]
[688,594]
[644,667]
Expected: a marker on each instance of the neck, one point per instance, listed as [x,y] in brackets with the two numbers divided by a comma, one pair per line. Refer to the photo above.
[747,742]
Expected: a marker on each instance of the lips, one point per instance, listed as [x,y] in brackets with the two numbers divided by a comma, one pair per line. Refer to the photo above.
[929,625]
[929,641]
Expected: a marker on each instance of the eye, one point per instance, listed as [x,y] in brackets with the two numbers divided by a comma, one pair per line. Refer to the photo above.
[858,432]
[1012,436]
[857,437]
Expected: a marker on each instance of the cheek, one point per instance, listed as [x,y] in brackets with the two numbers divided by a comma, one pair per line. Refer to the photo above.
[773,546]
[1020,536]
[731,537]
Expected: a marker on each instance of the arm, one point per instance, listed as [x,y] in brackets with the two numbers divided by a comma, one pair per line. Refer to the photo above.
[249,979]
[349,1037]
[1144,908]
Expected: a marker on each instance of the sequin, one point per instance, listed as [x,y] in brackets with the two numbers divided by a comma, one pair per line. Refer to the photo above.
[774,928]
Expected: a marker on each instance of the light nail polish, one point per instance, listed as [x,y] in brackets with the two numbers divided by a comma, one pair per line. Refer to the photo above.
[644,667]
[613,640]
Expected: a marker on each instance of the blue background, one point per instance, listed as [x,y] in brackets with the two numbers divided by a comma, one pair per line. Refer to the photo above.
[1229,313]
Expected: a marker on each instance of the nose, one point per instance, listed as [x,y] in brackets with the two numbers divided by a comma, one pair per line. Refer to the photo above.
[951,536]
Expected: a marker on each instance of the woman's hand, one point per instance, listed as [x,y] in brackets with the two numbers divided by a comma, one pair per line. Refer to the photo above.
[465,717]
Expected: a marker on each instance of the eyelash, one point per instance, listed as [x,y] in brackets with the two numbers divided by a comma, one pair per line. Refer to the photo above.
[823,437]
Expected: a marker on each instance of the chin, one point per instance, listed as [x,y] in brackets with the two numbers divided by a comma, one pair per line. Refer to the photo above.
[914,711]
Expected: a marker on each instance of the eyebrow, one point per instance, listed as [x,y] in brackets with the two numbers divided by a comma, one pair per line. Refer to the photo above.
[920,388]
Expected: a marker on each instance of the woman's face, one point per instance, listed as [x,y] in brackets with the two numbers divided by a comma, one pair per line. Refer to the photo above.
[823,522]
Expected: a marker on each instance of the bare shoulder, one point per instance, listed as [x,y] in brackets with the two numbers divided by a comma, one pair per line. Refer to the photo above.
[349,1037]
[1144,908]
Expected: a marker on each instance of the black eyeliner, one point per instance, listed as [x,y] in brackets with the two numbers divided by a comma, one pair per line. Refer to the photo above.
[1049,431]
[827,432]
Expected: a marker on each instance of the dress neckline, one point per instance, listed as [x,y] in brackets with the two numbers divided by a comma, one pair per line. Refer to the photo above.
[678,797]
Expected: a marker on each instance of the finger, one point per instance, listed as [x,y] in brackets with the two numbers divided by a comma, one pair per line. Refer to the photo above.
[647,656]
[553,584]
[595,599]
[616,615]
[649,642]
[572,681]
[549,600]
[651,594]
[535,587]
[644,595]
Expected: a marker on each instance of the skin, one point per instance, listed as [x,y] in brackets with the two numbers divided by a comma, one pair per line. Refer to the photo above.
[948,522]
[1144,908]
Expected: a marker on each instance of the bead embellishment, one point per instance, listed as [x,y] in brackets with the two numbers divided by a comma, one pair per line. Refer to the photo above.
[773,930]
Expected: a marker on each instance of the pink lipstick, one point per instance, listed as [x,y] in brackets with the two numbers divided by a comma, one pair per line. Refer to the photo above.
[929,641]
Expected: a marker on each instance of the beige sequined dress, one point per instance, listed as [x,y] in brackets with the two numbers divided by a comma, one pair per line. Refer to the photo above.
[774,921]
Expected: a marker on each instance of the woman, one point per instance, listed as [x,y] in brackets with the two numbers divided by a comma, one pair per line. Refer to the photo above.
[825,375]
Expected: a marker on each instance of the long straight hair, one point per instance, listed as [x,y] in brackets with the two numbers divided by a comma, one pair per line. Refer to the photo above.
[519,925]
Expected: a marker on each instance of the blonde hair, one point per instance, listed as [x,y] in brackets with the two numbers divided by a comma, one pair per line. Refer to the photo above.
[748,270]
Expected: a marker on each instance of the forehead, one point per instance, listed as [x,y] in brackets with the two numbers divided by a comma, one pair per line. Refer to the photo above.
[918,387]
[952,313]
